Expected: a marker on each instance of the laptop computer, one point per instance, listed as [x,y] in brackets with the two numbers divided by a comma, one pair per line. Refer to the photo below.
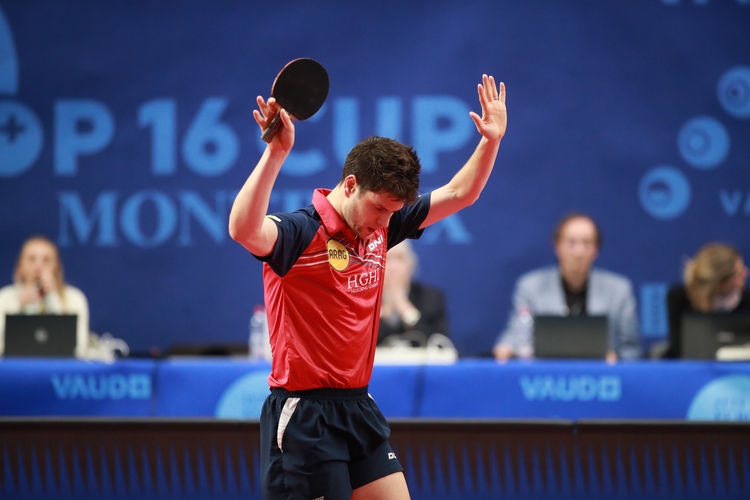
[704,334]
[570,337]
[40,335]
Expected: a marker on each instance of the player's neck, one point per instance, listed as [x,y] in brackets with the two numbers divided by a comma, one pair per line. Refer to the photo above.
[336,199]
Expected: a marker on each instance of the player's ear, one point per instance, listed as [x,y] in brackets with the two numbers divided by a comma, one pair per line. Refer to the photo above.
[350,185]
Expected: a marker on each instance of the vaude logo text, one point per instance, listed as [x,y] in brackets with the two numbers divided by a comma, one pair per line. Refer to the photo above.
[571,388]
[99,387]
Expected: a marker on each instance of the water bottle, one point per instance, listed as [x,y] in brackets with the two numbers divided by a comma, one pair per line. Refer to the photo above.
[524,326]
[258,334]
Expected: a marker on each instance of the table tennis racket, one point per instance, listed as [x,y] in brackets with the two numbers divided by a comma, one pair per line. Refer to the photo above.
[301,88]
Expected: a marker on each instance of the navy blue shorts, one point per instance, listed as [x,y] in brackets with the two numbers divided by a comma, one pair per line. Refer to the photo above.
[322,443]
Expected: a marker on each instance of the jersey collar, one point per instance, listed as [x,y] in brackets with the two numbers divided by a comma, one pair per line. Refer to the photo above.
[329,217]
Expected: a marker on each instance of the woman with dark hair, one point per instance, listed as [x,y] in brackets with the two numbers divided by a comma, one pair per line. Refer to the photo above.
[39,288]
[713,281]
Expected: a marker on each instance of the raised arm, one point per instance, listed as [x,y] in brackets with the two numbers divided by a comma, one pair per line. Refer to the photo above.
[466,186]
[248,224]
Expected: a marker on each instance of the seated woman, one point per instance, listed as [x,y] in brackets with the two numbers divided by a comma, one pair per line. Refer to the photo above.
[411,310]
[39,288]
[714,281]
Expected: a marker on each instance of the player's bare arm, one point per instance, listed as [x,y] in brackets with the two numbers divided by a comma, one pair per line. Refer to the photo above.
[465,187]
[248,224]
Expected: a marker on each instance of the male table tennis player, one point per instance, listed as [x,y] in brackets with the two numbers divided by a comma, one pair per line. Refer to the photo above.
[322,435]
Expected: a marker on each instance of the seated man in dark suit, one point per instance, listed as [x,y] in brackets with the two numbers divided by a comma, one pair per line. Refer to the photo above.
[410,309]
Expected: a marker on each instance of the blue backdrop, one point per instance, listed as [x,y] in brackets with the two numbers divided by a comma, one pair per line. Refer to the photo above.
[126,130]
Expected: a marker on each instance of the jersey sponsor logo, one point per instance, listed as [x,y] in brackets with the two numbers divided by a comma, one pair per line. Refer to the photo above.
[338,255]
[374,244]
[363,281]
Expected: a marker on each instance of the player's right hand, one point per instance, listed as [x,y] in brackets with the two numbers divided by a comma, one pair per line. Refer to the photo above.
[284,138]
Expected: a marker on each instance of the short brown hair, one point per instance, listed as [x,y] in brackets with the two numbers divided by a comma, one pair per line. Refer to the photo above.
[576,215]
[384,165]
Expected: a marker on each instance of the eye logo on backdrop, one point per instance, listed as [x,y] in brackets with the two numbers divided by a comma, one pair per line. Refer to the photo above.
[734,92]
[664,192]
[20,130]
[724,398]
[703,143]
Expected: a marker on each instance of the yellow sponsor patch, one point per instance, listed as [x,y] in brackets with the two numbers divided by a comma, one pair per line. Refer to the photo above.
[338,256]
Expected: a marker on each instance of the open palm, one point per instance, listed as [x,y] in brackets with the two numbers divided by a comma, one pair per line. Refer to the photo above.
[494,119]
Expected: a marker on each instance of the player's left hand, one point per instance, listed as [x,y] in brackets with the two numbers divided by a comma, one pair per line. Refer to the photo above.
[494,119]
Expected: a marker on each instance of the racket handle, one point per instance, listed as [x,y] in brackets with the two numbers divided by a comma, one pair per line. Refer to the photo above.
[273,127]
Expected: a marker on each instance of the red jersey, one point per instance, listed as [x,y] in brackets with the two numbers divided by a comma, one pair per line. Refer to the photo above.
[323,289]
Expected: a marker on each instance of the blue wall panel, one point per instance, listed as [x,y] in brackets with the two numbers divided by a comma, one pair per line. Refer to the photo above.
[126,129]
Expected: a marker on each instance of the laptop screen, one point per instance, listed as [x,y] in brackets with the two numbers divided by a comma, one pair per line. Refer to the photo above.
[571,337]
[40,335]
[704,334]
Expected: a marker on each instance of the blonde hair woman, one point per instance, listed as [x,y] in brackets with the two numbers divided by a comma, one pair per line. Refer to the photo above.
[39,288]
[713,281]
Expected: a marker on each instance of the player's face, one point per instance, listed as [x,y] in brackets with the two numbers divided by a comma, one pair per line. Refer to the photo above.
[576,247]
[366,211]
[37,257]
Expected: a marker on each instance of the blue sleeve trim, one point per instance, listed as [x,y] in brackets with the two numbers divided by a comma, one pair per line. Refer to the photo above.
[405,223]
[296,232]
